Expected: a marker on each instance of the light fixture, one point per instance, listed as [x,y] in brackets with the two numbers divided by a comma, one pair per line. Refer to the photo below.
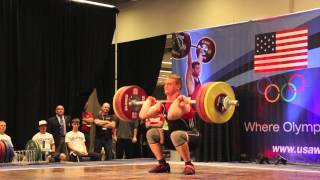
[163,71]
[166,62]
[94,3]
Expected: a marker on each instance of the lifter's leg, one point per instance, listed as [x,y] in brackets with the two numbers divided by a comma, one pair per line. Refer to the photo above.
[156,150]
[184,152]
[180,141]
[153,138]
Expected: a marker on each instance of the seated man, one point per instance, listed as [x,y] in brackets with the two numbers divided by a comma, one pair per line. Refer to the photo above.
[76,143]
[177,112]
[45,140]
[3,135]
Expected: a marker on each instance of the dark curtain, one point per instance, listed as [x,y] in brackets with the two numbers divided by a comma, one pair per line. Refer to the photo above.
[139,62]
[219,142]
[52,52]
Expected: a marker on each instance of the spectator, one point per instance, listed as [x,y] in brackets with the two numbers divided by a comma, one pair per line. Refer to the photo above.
[126,137]
[104,125]
[87,120]
[75,141]
[45,140]
[58,125]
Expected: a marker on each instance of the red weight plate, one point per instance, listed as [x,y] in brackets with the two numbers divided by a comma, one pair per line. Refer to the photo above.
[118,103]
[2,151]
[114,103]
[8,153]
[209,46]
[115,110]
[198,105]
[197,102]
[6,157]
[181,45]
[200,102]
[130,93]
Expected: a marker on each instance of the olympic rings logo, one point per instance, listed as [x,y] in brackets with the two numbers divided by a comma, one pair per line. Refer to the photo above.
[280,92]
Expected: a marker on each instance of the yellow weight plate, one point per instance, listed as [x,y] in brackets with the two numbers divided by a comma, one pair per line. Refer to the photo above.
[216,89]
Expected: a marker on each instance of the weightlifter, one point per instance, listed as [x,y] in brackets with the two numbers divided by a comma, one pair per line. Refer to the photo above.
[193,82]
[177,112]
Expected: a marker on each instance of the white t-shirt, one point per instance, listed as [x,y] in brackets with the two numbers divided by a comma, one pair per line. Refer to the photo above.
[77,140]
[44,140]
[6,138]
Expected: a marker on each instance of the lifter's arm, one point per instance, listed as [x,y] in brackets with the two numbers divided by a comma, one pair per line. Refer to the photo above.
[150,108]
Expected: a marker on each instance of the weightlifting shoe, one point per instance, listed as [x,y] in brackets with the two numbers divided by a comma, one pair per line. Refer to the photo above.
[160,168]
[189,170]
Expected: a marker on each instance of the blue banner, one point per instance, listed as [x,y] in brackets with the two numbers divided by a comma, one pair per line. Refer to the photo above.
[274,67]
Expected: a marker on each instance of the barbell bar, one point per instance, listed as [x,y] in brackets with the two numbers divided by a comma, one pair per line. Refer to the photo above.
[215,102]
[226,102]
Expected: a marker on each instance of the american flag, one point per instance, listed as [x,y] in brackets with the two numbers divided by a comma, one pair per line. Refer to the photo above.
[282,50]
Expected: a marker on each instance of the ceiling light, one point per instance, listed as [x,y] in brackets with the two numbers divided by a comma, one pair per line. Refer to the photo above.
[163,71]
[167,63]
[94,3]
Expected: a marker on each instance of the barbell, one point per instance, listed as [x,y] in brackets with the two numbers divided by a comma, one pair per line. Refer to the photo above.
[215,102]
[181,45]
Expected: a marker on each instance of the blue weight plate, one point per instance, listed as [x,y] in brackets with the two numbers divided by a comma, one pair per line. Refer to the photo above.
[9,152]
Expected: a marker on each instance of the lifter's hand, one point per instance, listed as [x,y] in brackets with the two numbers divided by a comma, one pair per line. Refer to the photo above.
[151,100]
[183,100]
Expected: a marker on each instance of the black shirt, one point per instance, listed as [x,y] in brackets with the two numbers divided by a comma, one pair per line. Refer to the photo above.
[104,133]
[178,124]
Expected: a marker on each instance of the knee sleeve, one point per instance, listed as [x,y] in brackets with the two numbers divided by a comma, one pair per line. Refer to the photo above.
[153,136]
[178,138]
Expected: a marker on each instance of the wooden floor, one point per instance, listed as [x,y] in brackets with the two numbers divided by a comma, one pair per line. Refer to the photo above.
[138,169]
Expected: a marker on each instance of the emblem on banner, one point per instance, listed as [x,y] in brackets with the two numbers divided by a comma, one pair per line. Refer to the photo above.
[272,92]
[181,46]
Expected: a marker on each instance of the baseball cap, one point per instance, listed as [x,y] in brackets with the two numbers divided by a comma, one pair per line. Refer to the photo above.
[42,122]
